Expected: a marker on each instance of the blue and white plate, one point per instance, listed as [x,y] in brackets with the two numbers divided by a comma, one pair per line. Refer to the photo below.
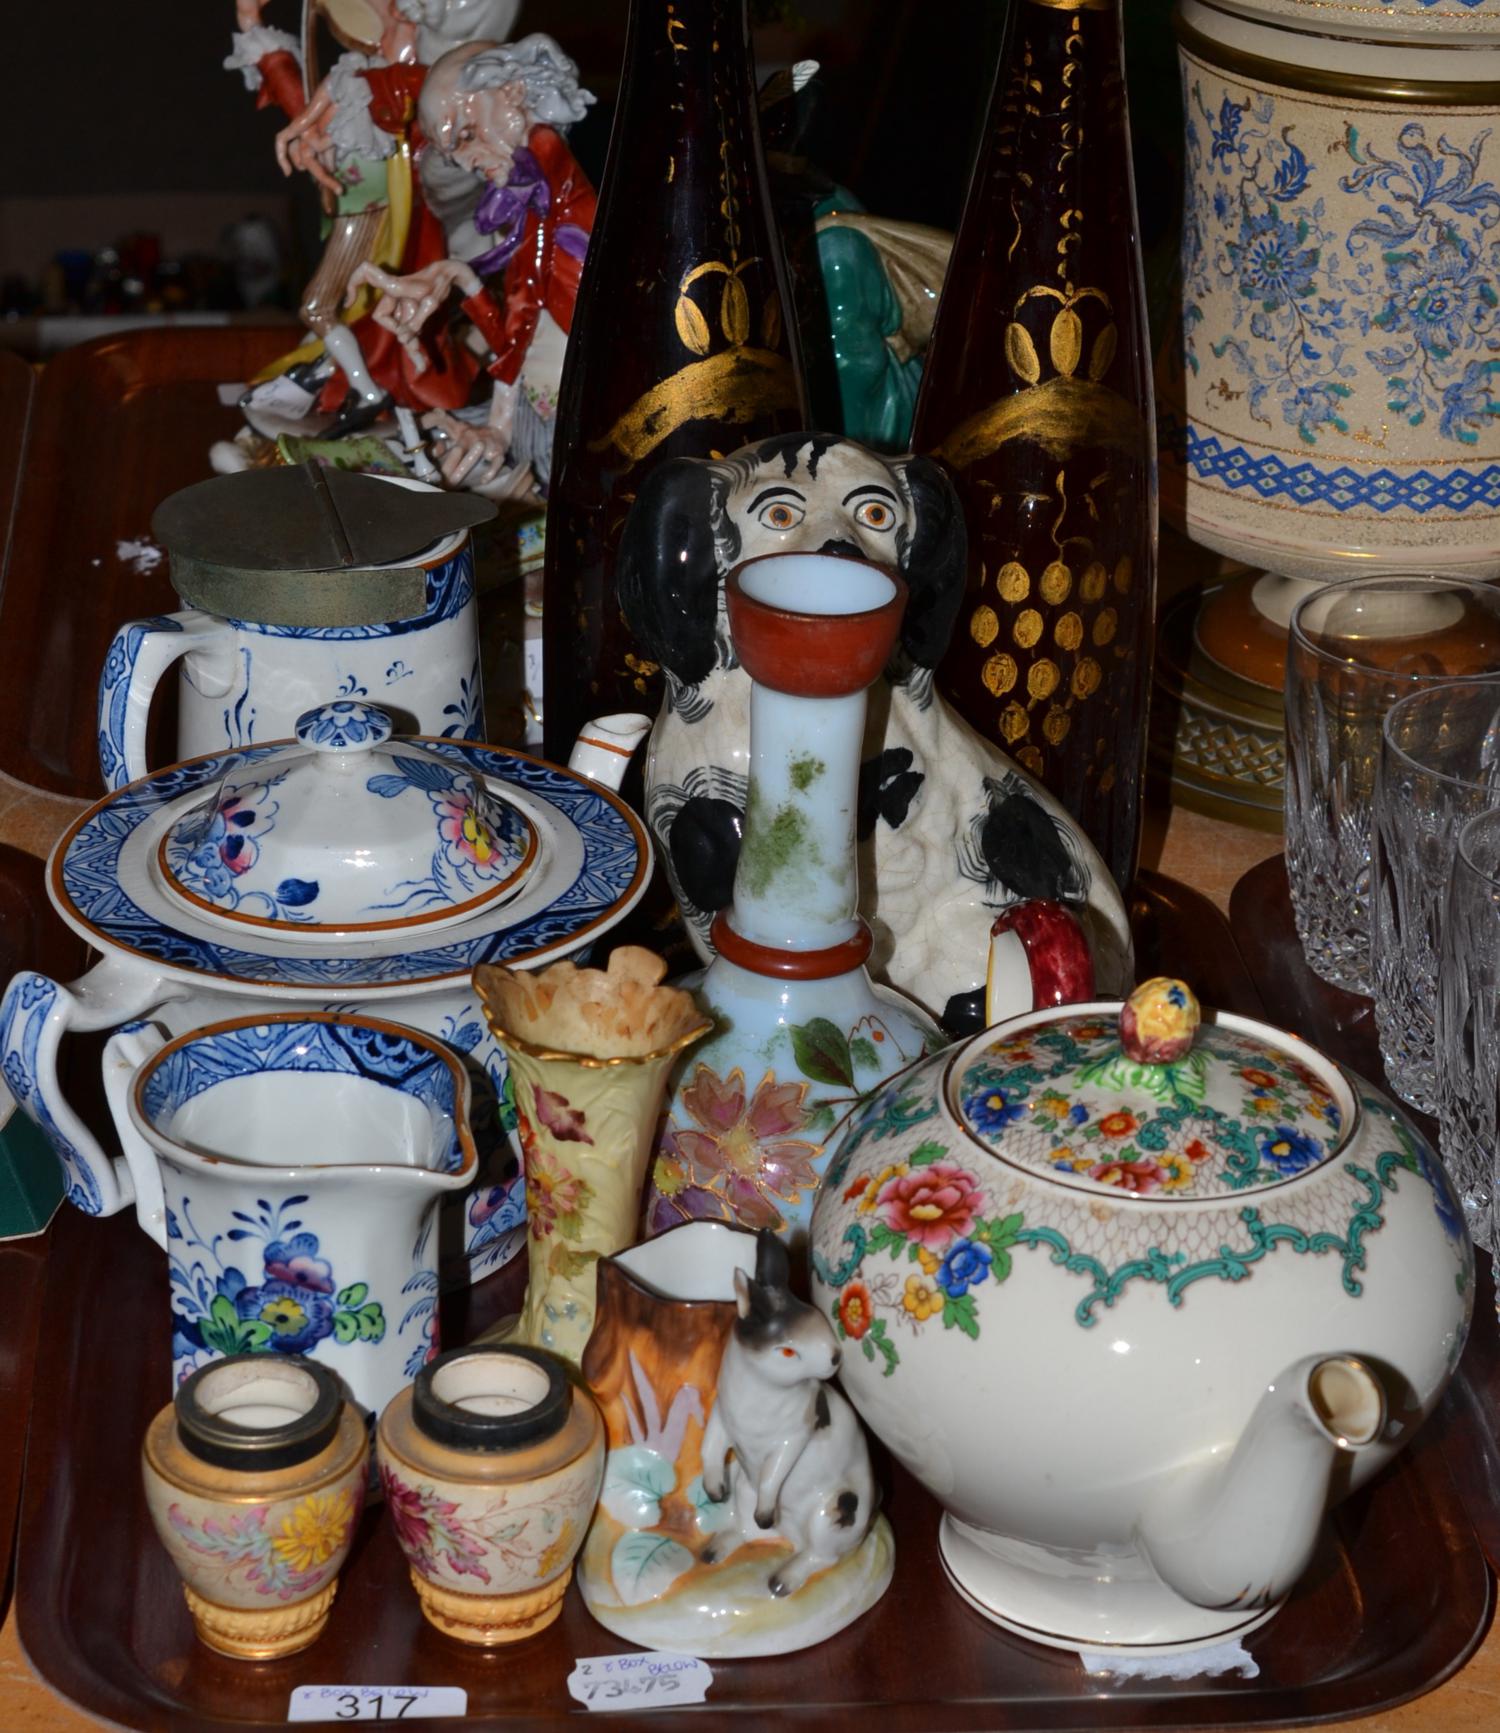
[593,861]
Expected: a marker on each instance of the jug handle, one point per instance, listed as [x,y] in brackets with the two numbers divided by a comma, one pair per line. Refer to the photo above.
[35,1013]
[126,1051]
[139,654]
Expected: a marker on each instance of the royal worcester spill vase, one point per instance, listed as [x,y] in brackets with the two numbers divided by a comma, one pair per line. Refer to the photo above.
[1240,1261]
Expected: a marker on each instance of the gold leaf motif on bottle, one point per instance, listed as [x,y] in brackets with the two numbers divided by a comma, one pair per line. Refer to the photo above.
[1030,758]
[1094,582]
[1021,353]
[1086,678]
[1103,352]
[733,387]
[692,327]
[1124,571]
[1055,726]
[1105,626]
[1065,342]
[1068,632]
[1028,628]
[1014,722]
[1055,583]
[1107,781]
[1013,582]
[734,311]
[1060,415]
[999,673]
[1042,678]
[984,626]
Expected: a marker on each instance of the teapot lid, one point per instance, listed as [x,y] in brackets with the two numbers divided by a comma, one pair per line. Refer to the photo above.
[348,830]
[1151,1102]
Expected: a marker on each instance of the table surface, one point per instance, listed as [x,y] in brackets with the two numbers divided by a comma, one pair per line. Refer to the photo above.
[1201,852]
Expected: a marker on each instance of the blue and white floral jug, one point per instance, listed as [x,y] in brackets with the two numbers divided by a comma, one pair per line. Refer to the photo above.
[291,1168]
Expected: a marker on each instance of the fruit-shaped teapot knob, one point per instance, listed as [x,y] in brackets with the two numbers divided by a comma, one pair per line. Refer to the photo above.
[1159,1020]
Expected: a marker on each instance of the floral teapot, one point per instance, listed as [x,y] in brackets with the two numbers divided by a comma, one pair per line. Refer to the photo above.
[1136,1300]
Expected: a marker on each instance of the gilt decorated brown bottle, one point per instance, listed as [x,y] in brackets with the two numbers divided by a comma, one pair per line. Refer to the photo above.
[1037,395]
[682,344]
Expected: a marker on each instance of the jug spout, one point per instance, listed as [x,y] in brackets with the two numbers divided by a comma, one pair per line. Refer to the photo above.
[607,744]
[1239,1533]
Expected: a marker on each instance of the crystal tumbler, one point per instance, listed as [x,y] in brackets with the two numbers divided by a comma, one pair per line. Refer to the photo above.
[1354,648]
[1439,765]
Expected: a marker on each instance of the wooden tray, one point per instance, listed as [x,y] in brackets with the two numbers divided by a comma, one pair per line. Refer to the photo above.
[1343,1024]
[112,428]
[1396,1601]
[31,937]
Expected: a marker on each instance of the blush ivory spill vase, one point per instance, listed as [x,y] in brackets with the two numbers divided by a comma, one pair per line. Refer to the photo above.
[1037,395]
[589,1052]
[803,1033]
[255,1478]
[690,357]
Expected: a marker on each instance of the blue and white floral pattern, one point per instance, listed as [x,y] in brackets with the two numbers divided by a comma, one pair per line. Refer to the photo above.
[343,726]
[609,882]
[1335,292]
[24,1013]
[380,1055]
[114,691]
[289,1306]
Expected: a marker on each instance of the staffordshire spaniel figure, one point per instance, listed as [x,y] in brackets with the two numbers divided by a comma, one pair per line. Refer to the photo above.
[951,831]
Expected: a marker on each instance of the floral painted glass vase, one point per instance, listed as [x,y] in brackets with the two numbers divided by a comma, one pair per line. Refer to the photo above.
[803,1032]
[589,1053]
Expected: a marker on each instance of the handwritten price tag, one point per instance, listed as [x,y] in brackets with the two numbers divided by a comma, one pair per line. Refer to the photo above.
[376,1702]
[634,1681]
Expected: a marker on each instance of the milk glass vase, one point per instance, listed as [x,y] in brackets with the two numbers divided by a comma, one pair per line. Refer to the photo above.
[589,1053]
[803,1033]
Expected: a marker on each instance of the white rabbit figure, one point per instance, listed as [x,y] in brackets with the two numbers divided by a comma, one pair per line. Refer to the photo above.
[801,1469]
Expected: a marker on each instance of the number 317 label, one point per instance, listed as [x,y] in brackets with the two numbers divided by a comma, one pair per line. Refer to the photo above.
[375,1702]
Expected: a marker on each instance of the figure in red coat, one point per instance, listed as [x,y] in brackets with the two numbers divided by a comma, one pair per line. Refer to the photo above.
[494,109]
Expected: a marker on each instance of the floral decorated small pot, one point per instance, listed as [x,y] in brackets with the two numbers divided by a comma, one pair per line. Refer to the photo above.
[1241,1264]
[255,1479]
[491,1463]
[1333,394]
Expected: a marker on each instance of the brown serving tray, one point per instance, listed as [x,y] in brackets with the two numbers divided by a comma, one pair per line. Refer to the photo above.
[31,937]
[1395,1602]
[1343,1024]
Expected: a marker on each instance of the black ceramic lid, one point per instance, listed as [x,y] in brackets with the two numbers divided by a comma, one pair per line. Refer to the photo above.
[463,1428]
[209,1435]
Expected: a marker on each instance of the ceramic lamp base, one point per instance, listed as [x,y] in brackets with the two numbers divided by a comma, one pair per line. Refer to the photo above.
[489,1620]
[1024,1590]
[260,1633]
[727,1610]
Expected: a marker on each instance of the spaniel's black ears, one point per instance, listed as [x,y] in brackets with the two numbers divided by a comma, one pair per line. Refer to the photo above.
[934,561]
[666,577]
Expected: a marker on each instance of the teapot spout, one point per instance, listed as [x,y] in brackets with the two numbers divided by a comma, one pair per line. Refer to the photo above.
[1240,1533]
[606,745]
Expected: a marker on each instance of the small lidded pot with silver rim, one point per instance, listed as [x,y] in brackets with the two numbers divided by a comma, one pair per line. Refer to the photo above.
[255,1479]
[491,1464]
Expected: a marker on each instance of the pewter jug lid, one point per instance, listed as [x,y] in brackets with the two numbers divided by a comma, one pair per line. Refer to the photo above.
[308,544]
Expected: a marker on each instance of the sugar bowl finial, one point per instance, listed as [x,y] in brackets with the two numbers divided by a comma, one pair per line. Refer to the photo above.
[1159,1020]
